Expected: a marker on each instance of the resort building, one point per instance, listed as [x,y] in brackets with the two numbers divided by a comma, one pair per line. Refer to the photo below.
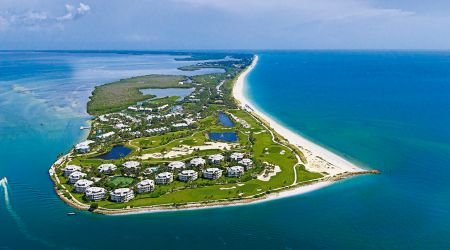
[122,195]
[145,186]
[107,168]
[106,135]
[75,176]
[70,169]
[215,158]
[176,165]
[82,185]
[196,162]
[236,156]
[212,173]
[246,162]
[131,165]
[235,171]
[188,175]
[95,193]
[164,178]
[83,147]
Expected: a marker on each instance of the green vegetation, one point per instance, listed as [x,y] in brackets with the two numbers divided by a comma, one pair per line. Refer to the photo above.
[119,95]
[157,138]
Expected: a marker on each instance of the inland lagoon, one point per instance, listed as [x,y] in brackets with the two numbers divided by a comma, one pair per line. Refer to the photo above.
[116,152]
[225,120]
[223,136]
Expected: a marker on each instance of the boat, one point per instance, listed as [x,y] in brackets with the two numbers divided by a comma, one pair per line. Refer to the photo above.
[70,213]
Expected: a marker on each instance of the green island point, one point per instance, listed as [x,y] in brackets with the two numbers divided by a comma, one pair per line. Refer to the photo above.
[171,142]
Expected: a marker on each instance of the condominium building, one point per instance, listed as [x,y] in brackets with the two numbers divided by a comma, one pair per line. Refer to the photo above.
[122,195]
[145,186]
[188,175]
[164,178]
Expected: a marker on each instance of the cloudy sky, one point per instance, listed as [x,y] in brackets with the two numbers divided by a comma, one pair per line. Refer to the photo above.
[225,24]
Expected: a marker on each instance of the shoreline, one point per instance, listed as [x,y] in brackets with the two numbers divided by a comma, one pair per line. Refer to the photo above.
[317,158]
[312,149]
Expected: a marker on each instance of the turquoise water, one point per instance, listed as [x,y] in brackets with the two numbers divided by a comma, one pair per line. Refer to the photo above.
[383,110]
[116,152]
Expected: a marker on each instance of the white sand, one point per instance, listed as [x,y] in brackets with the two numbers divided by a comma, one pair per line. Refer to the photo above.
[319,159]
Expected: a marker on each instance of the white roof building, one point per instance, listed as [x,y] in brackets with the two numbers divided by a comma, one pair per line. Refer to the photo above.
[145,186]
[122,195]
[83,147]
[215,158]
[131,164]
[236,156]
[81,185]
[176,165]
[107,168]
[246,162]
[75,176]
[121,126]
[106,135]
[188,175]
[212,173]
[197,162]
[164,178]
[235,171]
[180,125]
[95,193]
[70,169]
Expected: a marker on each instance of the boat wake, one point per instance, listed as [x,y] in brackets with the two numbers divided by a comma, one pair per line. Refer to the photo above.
[20,224]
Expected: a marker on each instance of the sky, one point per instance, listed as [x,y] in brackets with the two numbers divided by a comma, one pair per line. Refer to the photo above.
[224,24]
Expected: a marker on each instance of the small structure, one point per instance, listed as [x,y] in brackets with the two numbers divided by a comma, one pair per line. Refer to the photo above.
[188,175]
[70,169]
[217,158]
[176,165]
[82,185]
[212,173]
[75,176]
[246,162]
[107,168]
[148,171]
[196,162]
[236,156]
[83,147]
[122,195]
[131,165]
[95,193]
[145,186]
[164,178]
[235,171]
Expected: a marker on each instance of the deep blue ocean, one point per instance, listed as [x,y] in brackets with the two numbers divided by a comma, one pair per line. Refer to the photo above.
[383,110]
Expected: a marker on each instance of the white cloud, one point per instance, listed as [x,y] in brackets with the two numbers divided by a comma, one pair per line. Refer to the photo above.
[73,13]
[306,10]
[3,23]
[36,19]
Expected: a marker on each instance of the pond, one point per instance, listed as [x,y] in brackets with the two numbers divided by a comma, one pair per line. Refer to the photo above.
[160,93]
[117,152]
[225,120]
[223,136]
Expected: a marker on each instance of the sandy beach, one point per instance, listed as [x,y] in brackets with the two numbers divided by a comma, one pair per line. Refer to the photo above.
[319,159]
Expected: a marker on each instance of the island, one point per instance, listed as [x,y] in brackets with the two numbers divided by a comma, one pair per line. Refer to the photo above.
[172,142]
